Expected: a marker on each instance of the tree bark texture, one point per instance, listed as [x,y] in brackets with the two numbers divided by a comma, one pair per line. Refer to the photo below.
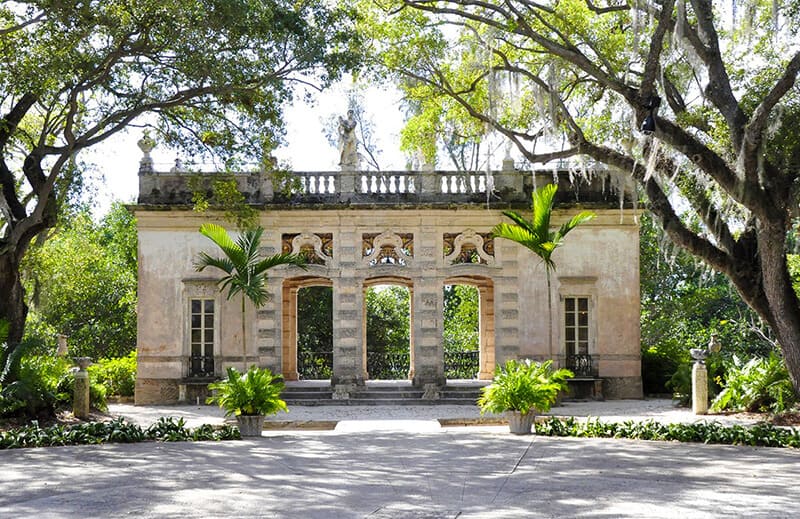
[12,298]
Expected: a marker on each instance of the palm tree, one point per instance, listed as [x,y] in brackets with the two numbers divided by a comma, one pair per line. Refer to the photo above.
[537,236]
[245,270]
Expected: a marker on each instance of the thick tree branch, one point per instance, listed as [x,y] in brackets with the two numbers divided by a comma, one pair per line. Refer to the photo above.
[719,88]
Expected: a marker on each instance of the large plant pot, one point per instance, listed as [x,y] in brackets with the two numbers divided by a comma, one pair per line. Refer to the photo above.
[250,425]
[519,423]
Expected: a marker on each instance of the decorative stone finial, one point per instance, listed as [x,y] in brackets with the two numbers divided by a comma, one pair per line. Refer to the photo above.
[146,144]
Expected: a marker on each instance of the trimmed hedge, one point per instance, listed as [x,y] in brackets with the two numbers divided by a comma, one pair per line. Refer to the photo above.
[762,434]
[167,429]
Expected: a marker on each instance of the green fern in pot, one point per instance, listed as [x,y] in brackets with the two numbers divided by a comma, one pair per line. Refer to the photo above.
[249,396]
[521,389]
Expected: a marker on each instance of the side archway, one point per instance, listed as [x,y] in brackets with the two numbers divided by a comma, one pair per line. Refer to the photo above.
[289,321]
[486,323]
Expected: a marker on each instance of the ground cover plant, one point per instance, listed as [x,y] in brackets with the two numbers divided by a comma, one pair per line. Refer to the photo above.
[761,435]
[114,431]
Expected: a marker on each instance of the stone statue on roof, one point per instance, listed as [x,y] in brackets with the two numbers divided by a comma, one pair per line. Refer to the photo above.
[348,144]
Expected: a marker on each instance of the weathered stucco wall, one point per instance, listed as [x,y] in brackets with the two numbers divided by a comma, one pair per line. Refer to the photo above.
[599,260]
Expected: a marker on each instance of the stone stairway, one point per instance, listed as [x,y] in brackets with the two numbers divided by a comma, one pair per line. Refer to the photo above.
[390,392]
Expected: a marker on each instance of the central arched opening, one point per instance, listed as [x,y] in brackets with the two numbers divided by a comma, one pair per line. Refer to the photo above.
[461,333]
[387,329]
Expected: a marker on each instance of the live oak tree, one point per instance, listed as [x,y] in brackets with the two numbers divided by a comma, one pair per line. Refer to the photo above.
[211,76]
[714,88]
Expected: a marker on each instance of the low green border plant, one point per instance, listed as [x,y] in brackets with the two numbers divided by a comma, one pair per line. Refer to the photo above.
[762,434]
[166,429]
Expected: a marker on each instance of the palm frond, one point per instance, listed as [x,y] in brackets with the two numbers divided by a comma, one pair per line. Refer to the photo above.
[205,260]
[520,220]
[578,219]
[280,259]
[542,206]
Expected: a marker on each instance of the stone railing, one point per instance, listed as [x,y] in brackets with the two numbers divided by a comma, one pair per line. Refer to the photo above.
[510,187]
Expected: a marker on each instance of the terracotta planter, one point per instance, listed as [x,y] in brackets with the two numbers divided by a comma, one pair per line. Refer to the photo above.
[519,423]
[250,425]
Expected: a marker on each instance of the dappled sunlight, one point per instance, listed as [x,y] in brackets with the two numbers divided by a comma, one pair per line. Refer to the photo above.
[472,471]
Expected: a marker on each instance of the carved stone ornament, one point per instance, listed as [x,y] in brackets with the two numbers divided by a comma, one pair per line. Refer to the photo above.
[469,247]
[388,248]
[316,248]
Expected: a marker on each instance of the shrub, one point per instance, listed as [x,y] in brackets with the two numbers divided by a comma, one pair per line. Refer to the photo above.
[114,431]
[43,385]
[523,386]
[117,375]
[765,435]
[760,384]
[256,392]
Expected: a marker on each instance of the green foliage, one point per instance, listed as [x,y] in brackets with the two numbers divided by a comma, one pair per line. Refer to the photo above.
[224,194]
[83,285]
[758,384]
[762,435]
[680,383]
[535,234]
[315,331]
[256,392]
[211,77]
[118,376]
[461,318]
[388,319]
[114,431]
[682,304]
[793,261]
[42,385]
[523,386]
[244,268]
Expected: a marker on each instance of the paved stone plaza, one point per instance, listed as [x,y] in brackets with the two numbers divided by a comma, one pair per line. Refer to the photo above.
[401,468]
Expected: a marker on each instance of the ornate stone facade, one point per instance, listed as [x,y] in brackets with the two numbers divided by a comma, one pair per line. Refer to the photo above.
[433,232]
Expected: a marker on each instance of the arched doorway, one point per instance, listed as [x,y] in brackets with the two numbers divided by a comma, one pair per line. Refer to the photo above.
[458,360]
[313,364]
[387,330]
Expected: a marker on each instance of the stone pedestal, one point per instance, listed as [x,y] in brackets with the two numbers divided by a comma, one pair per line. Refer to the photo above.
[80,400]
[699,388]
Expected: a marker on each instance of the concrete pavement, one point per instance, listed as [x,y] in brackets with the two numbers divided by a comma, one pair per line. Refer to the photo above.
[475,472]
[399,463]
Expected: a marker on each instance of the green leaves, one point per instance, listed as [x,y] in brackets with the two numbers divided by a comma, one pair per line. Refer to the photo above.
[256,392]
[535,234]
[759,384]
[765,435]
[523,386]
[82,282]
[114,431]
[245,270]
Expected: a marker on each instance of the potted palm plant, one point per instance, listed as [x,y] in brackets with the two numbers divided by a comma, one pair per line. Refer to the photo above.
[249,396]
[522,388]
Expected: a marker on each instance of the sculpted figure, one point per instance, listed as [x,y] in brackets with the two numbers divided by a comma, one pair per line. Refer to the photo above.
[348,153]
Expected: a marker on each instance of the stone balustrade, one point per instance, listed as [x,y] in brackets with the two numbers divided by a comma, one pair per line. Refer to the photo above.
[511,187]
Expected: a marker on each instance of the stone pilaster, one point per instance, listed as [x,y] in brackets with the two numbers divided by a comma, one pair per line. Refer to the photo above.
[349,361]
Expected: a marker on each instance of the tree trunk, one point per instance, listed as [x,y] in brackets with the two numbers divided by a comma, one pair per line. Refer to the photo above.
[244,339]
[12,302]
[783,303]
